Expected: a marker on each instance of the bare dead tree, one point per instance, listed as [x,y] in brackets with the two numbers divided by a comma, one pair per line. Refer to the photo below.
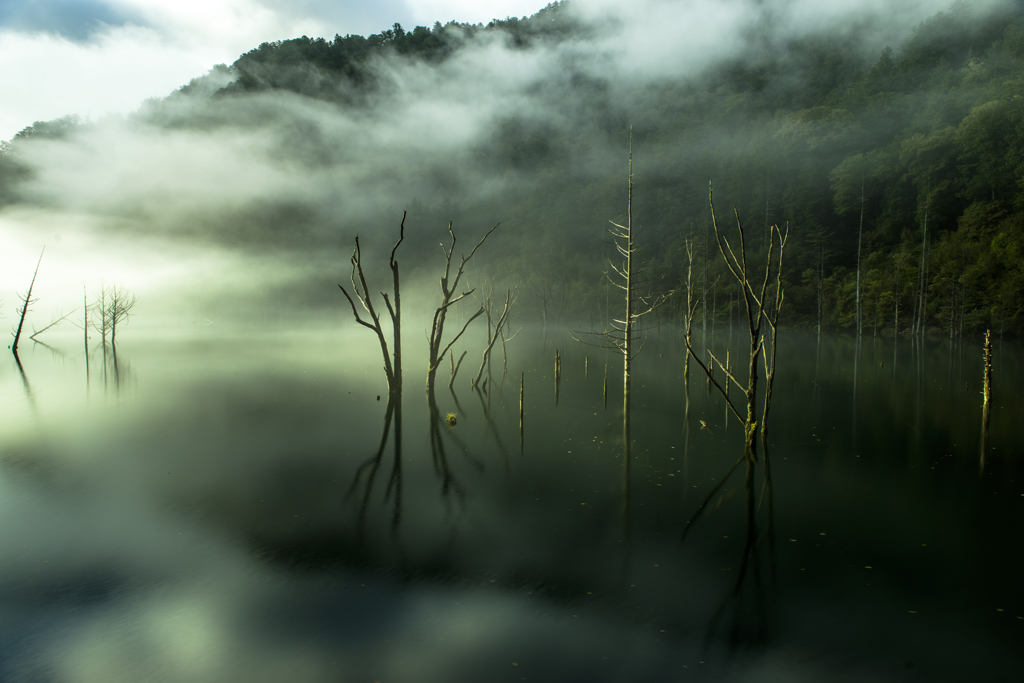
[622,334]
[119,308]
[361,291]
[497,331]
[101,306]
[26,304]
[449,297]
[757,312]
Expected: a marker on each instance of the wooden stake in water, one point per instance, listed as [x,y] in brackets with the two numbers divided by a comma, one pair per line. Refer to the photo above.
[586,366]
[558,365]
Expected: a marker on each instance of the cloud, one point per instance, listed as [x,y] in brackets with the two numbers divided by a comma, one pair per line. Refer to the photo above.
[71,19]
[47,76]
[89,57]
[280,171]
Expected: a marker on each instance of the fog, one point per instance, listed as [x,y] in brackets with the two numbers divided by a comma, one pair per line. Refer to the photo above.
[201,198]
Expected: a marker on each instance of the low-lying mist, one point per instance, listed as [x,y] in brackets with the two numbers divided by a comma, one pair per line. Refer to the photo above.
[228,197]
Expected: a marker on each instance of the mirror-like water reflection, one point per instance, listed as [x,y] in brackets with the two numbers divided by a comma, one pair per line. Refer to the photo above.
[251,507]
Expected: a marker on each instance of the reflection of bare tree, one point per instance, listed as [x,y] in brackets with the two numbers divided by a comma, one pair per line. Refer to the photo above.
[439,432]
[116,371]
[749,621]
[492,429]
[627,549]
[366,473]
[24,380]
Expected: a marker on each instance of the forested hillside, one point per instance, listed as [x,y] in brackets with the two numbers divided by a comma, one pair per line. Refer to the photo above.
[899,168]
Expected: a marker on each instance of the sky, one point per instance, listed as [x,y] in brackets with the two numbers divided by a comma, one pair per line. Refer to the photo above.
[94,57]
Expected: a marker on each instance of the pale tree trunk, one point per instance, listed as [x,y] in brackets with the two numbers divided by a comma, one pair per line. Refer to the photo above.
[26,304]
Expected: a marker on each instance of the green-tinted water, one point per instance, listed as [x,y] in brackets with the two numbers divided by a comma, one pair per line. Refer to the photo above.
[238,507]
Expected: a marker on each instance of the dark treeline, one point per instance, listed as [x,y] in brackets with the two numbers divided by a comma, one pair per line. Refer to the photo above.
[899,171]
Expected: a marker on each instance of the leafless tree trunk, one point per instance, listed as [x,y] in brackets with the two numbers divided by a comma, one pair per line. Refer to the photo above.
[360,290]
[621,334]
[689,304]
[26,304]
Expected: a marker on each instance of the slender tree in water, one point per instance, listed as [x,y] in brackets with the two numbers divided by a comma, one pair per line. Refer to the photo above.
[26,304]
[449,297]
[759,310]
[622,334]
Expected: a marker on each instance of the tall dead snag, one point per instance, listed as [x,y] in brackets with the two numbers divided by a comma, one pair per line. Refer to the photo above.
[689,305]
[449,297]
[362,293]
[621,334]
[757,312]
[987,397]
[26,304]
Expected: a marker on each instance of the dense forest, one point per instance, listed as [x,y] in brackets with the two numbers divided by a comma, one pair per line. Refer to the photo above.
[899,173]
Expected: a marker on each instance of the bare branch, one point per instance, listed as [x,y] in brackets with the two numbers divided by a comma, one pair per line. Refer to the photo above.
[471,319]
[53,322]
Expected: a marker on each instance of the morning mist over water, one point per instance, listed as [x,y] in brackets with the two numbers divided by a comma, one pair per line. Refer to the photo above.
[544,463]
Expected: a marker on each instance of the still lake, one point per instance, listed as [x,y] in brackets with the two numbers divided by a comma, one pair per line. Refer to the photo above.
[238,505]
